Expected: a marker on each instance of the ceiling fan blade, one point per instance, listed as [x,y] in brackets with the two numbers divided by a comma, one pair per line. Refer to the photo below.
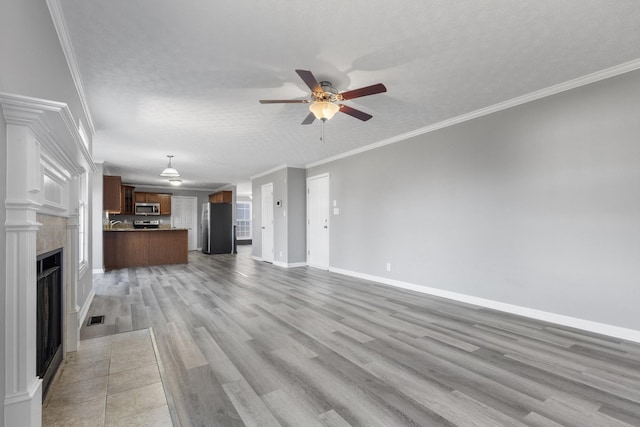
[309,119]
[364,91]
[355,113]
[310,80]
[284,101]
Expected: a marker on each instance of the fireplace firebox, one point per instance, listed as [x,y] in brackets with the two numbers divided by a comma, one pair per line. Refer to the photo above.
[49,317]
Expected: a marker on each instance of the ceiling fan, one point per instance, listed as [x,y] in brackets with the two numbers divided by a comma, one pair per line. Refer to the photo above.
[325,99]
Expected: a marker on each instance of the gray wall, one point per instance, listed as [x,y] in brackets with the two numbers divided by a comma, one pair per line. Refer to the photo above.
[297,215]
[289,242]
[3,256]
[536,206]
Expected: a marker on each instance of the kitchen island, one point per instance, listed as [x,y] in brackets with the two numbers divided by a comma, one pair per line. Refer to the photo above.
[129,247]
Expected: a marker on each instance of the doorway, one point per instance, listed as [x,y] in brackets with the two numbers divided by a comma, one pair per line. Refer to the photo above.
[184,214]
[318,221]
[267,222]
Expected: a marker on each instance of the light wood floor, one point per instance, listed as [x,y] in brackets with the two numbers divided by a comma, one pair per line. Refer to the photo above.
[246,343]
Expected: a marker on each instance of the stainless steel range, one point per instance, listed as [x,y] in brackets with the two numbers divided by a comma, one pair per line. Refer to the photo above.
[146,223]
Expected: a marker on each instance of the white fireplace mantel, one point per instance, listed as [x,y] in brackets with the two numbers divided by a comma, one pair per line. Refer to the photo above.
[45,154]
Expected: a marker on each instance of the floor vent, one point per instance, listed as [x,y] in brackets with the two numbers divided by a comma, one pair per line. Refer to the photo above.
[95,320]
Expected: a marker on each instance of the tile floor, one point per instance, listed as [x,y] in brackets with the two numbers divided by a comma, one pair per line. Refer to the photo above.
[110,381]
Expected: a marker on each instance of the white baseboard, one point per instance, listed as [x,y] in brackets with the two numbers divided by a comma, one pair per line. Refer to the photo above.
[85,308]
[298,264]
[98,271]
[257,258]
[290,264]
[559,319]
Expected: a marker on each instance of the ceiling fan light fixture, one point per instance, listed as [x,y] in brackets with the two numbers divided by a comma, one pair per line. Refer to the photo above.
[324,110]
[170,171]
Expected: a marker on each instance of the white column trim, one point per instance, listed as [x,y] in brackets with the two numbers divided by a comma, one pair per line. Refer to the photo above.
[71,308]
[22,387]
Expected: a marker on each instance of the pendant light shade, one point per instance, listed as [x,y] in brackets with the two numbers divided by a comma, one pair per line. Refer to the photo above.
[324,110]
[169,170]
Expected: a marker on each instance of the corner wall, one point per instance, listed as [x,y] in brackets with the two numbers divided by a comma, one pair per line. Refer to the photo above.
[289,219]
[297,216]
[536,206]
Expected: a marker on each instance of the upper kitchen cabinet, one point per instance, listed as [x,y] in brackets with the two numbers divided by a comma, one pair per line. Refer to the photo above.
[221,197]
[142,197]
[163,199]
[127,203]
[165,204]
[112,194]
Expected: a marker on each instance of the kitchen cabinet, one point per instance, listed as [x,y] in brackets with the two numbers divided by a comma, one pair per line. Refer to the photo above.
[144,197]
[111,193]
[140,248]
[127,200]
[165,204]
[163,199]
[221,197]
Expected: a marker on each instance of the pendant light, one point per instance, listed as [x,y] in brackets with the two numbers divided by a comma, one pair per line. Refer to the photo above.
[169,170]
[175,181]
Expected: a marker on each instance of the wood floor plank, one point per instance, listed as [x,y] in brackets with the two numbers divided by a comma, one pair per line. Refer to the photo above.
[251,408]
[244,342]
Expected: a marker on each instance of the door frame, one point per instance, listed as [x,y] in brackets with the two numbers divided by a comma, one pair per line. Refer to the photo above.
[262,211]
[310,178]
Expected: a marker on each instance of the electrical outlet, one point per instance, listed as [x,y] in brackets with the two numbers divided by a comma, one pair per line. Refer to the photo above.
[388,266]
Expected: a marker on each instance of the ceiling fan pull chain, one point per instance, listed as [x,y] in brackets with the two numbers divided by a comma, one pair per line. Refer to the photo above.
[322,130]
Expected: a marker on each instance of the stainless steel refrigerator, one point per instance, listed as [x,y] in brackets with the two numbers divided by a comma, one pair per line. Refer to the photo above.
[217,228]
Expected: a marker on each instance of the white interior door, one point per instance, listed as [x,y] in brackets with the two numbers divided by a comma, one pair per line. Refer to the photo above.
[184,214]
[318,221]
[267,222]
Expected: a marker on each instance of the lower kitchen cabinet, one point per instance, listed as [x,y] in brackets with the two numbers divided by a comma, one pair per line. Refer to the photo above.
[141,248]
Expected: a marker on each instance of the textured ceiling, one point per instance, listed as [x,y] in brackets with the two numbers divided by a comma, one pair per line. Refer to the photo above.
[184,78]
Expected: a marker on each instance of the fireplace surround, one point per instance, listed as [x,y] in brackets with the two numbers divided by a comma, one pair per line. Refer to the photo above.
[46,157]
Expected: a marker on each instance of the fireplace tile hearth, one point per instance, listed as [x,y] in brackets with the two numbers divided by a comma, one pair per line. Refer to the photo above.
[112,380]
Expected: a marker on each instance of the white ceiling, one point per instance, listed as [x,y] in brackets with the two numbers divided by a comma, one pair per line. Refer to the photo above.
[184,78]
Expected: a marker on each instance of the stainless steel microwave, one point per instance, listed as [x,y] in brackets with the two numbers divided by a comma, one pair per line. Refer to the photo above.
[147,209]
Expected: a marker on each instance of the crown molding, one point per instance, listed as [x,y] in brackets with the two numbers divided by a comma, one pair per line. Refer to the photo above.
[276,169]
[55,10]
[514,102]
[173,188]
